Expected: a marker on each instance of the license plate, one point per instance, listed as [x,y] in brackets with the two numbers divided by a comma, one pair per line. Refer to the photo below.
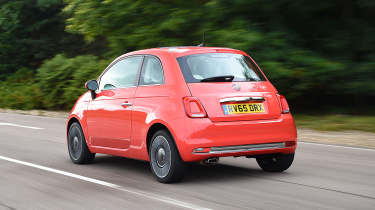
[243,108]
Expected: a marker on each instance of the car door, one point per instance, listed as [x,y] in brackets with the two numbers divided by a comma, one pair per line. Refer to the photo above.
[150,98]
[110,113]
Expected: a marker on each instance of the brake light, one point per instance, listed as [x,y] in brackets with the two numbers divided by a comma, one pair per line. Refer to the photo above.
[193,107]
[283,105]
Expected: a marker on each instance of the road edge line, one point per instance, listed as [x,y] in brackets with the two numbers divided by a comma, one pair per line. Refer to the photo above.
[337,146]
[20,126]
[107,184]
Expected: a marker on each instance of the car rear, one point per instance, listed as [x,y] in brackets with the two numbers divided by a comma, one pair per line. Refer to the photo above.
[233,109]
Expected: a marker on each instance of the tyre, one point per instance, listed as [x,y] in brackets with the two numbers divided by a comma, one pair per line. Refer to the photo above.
[78,151]
[275,162]
[165,161]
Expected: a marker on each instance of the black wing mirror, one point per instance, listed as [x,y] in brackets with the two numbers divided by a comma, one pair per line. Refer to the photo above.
[92,86]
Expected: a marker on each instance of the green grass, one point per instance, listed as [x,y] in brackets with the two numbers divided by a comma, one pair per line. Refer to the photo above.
[336,122]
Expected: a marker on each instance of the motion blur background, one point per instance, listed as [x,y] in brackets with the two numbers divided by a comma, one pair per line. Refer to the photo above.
[319,54]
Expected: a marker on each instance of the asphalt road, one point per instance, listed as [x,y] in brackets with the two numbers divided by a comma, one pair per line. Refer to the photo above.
[36,173]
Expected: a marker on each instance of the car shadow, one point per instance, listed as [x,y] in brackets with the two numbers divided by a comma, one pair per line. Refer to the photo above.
[196,173]
[121,163]
[222,173]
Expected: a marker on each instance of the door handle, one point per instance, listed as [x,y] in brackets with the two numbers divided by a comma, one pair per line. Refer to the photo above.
[126,104]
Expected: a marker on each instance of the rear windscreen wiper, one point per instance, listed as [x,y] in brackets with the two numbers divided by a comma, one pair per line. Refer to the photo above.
[225,78]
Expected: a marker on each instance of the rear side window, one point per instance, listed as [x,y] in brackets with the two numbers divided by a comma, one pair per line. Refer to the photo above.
[202,66]
[152,72]
[123,74]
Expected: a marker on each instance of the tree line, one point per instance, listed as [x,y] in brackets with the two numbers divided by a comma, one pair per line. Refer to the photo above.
[318,53]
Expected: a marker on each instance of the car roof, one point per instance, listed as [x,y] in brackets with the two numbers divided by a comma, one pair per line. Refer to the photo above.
[178,51]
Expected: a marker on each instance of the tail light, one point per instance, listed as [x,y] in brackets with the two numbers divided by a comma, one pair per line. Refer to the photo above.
[194,108]
[283,104]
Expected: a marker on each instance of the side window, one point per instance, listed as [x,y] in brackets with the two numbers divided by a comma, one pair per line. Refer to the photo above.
[123,74]
[152,72]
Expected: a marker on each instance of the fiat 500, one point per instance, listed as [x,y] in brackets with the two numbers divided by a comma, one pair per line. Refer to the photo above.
[175,105]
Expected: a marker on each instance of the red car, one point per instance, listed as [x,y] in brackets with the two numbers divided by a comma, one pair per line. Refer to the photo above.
[174,105]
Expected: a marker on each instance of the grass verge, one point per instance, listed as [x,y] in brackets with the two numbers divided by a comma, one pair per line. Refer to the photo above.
[336,122]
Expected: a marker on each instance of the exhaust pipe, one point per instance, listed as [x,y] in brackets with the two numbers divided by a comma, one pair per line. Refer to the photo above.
[211,161]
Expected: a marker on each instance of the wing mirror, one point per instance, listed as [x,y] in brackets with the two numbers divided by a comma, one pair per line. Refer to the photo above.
[92,86]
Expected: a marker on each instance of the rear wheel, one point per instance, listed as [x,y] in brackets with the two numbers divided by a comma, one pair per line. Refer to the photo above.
[275,162]
[165,161]
[78,151]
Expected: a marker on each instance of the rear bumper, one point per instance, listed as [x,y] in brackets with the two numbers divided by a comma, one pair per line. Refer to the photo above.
[199,139]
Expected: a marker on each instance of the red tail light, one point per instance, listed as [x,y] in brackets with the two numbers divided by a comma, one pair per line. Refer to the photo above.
[283,104]
[194,108]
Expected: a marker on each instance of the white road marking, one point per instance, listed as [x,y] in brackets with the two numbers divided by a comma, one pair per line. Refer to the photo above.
[107,184]
[21,126]
[336,146]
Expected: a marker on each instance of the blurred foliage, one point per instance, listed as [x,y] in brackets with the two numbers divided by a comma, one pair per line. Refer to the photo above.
[56,85]
[317,53]
[61,79]
[32,31]
[20,91]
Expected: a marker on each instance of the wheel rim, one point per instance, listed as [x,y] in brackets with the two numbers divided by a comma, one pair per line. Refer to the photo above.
[160,156]
[75,143]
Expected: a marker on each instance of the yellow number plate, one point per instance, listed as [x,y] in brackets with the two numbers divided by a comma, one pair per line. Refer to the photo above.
[243,108]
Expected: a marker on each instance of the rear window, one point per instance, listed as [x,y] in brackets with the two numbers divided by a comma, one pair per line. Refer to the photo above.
[202,66]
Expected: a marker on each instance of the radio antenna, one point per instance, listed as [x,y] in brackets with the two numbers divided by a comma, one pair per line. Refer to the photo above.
[203,44]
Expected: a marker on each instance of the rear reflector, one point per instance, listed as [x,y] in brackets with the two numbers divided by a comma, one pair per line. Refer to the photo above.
[290,143]
[194,108]
[201,150]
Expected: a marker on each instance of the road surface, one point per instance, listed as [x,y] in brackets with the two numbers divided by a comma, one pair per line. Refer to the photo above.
[36,173]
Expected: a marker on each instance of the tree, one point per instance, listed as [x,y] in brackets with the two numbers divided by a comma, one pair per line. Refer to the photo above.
[32,31]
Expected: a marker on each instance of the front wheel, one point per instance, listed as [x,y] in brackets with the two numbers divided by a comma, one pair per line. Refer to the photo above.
[165,161]
[78,151]
[275,162]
